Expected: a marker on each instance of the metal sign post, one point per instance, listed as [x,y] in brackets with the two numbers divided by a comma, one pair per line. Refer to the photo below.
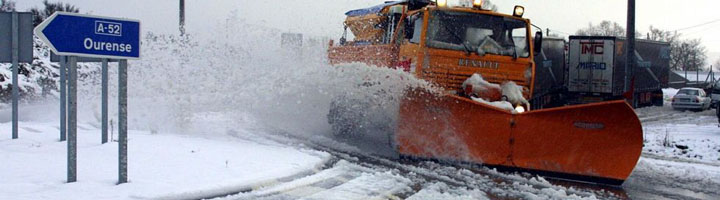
[104,131]
[63,98]
[72,120]
[122,122]
[16,47]
[15,66]
[103,38]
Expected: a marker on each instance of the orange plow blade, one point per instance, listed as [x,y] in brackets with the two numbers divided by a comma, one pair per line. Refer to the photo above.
[599,143]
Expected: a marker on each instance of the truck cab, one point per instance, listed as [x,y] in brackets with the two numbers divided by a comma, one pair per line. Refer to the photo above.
[443,44]
[447,45]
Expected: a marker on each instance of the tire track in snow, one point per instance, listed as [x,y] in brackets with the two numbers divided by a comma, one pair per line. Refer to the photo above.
[495,185]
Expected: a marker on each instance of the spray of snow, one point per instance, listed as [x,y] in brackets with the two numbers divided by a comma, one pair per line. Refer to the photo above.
[242,77]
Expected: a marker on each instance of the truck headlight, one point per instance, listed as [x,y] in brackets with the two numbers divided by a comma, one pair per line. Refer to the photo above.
[477,3]
[441,3]
[519,11]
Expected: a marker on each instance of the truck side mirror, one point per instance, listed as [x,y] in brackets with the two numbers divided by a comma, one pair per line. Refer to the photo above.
[538,41]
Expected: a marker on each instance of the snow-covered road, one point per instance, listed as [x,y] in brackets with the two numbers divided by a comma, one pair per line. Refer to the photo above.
[235,160]
[668,175]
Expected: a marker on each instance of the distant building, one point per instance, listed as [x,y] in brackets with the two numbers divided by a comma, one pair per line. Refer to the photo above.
[678,79]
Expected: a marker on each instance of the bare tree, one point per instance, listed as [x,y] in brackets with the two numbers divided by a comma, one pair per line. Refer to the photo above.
[716,66]
[50,8]
[7,5]
[605,28]
[688,55]
[657,34]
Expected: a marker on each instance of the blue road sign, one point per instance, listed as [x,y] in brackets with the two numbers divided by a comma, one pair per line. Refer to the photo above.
[72,34]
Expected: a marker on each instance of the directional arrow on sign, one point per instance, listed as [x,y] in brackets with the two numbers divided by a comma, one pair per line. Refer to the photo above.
[72,34]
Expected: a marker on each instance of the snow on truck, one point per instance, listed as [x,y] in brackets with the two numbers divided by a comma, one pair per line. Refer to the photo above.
[597,72]
[484,63]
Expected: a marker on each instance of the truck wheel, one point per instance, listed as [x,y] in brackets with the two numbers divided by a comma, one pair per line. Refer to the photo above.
[345,118]
[635,101]
[657,98]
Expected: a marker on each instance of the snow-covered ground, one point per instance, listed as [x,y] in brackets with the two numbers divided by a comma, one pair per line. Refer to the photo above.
[211,119]
[166,166]
[683,135]
[681,154]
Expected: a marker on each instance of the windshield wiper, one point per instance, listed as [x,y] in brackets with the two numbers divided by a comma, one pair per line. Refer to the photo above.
[468,49]
[514,49]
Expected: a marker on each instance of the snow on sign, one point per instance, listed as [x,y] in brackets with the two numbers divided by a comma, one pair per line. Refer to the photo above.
[72,34]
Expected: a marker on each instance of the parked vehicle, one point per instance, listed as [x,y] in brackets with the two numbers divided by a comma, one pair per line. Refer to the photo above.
[597,71]
[715,94]
[691,98]
[717,112]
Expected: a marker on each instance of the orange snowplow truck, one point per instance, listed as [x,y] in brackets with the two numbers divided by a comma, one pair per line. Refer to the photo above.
[445,45]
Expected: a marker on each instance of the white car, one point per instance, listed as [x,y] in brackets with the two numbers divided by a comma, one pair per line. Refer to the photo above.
[691,98]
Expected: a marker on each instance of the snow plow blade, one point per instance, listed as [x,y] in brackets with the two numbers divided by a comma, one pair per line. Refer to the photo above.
[598,143]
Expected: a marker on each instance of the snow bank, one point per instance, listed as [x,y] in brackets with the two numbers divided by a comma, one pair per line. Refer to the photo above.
[668,93]
[685,141]
[159,165]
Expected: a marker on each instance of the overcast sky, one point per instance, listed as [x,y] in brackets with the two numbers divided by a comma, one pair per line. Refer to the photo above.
[324,17]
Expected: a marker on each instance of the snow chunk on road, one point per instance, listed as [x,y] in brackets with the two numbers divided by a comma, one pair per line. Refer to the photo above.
[443,191]
[160,166]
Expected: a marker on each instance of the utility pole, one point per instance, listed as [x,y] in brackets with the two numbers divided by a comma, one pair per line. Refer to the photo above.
[630,47]
[697,69]
[548,32]
[685,63]
[182,17]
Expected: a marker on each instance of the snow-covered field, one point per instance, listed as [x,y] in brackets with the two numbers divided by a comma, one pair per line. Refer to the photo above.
[167,166]
[684,135]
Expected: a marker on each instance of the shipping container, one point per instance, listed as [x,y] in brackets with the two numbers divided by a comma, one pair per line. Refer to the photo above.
[597,72]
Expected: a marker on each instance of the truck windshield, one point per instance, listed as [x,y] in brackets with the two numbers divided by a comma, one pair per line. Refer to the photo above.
[472,32]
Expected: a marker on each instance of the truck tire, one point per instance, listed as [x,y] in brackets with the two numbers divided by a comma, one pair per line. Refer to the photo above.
[657,98]
[345,118]
[635,101]
[353,118]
